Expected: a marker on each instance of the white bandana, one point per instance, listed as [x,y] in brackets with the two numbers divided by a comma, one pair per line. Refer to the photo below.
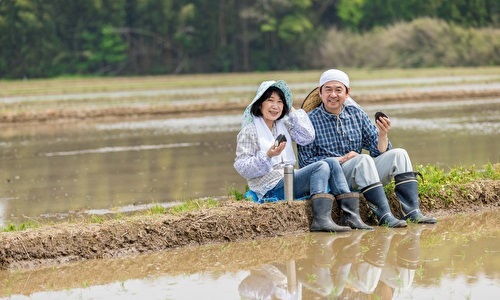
[334,75]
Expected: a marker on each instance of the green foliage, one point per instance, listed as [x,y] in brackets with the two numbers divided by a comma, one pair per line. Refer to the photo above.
[437,182]
[56,38]
[351,13]
[420,43]
[157,209]
[102,52]
[96,219]
[19,227]
[191,205]
[236,194]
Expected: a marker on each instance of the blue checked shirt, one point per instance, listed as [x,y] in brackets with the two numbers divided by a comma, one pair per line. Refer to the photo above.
[254,165]
[336,136]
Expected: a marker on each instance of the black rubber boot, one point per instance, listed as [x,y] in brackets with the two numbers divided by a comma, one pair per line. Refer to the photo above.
[322,214]
[349,204]
[377,200]
[407,193]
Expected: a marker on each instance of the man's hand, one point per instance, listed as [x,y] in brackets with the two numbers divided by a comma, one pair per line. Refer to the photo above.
[348,156]
[383,125]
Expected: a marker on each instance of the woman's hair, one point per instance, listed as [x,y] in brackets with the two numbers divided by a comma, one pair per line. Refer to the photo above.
[255,109]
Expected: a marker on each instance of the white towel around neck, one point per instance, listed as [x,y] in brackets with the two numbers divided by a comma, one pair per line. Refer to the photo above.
[266,140]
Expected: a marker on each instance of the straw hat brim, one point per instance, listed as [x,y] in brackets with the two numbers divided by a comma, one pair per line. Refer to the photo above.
[312,100]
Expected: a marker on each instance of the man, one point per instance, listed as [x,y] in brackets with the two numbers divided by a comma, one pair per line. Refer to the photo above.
[343,131]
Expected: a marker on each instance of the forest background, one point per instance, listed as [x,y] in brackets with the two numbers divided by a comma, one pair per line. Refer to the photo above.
[42,39]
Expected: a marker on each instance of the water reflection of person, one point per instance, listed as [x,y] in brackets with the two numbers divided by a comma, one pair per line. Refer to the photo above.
[351,265]
[322,272]
[365,274]
[388,267]
[260,160]
[399,272]
[269,282]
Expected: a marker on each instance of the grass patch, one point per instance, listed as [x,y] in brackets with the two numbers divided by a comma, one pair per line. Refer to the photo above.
[237,195]
[437,183]
[192,205]
[96,219]
[157,209]
[19,227]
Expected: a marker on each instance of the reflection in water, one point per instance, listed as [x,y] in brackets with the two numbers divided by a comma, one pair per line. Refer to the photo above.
[454,259]
[337,267]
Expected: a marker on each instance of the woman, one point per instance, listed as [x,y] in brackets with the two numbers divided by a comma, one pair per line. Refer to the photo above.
[260,160]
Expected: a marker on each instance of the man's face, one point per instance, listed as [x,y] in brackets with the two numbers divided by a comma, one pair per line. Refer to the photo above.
[333,95]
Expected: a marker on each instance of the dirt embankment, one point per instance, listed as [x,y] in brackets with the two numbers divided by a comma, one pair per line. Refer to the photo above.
[231,221]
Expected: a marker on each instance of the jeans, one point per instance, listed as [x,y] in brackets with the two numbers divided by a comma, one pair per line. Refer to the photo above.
[321,177]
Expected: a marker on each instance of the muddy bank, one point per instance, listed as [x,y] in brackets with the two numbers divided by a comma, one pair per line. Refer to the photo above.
[230,221]
[109,110]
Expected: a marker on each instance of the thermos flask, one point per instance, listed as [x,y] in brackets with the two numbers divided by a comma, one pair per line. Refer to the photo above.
[288,172]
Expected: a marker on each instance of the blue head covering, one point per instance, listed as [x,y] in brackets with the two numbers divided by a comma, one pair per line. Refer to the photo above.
[247,114]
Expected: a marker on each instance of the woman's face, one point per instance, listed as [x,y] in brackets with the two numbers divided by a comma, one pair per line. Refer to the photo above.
[272,108]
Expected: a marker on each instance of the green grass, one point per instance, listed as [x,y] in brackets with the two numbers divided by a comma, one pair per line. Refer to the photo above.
[191,205]
[436,182]
[237,195]
[157,209]
[19,227]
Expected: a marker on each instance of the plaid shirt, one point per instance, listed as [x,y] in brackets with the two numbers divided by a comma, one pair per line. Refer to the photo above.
[253,163]
[336,136]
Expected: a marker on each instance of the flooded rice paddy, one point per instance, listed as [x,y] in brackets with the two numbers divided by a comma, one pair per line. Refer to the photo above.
[69,170]
[419,262]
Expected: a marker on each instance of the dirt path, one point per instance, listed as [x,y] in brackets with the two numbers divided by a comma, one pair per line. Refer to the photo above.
[230,221]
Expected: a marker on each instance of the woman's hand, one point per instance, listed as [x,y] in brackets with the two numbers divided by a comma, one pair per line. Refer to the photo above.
[275,151]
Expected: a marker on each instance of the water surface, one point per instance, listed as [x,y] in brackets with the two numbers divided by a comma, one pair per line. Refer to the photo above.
[458,258]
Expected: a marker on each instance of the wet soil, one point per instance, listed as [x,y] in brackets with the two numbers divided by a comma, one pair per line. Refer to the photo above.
[229,222]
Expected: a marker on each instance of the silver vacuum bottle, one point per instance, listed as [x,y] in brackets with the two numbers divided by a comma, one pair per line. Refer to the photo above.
[288,173]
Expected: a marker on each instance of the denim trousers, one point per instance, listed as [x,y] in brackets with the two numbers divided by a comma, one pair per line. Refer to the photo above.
[321,177]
